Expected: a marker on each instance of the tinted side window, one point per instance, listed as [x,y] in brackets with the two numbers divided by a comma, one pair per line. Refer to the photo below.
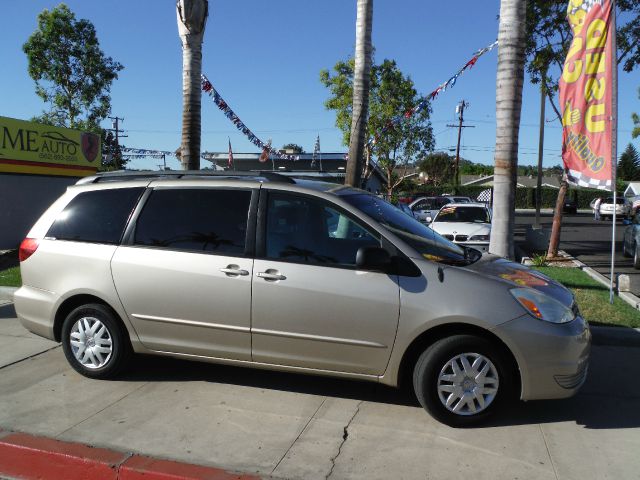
[203,220]
[98,216]
[305,230]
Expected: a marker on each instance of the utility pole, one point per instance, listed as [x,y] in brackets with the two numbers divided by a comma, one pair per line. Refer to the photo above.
[460,111]
[540,150]
[115,127]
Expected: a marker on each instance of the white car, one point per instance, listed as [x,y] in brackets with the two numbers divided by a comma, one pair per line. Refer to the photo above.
[467,224]
[623,208]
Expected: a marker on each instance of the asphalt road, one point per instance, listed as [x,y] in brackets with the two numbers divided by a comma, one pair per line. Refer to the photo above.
[290,426]
[589,241]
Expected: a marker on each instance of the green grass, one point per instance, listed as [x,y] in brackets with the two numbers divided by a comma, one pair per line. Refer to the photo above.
[593,298]
[10,277]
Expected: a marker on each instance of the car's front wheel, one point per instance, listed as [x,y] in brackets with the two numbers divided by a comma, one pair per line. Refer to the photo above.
[462,379]
[94,341]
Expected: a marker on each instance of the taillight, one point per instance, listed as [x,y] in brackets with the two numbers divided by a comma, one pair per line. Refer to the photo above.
[27,248]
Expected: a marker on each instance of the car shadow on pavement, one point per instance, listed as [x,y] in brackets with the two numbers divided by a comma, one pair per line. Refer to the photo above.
[154,369]
[608,400]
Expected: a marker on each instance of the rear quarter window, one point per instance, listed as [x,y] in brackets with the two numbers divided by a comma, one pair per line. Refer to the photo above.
[97,216]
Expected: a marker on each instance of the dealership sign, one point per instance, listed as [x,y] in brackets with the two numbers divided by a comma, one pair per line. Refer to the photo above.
[34,148]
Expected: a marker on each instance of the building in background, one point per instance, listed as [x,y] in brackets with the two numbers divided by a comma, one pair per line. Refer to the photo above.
[328,167]
[37,163]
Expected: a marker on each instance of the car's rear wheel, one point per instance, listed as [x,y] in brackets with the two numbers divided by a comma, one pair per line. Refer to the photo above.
[462,380]
[636,256]
[94,341]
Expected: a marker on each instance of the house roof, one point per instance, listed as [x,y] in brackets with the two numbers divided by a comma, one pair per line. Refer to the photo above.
[333,163]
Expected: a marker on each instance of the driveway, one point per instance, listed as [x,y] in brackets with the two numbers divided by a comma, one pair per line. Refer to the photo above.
[304,427]
[588,240]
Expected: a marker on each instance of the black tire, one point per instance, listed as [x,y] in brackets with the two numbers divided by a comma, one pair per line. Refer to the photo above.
[625,252]
[434,360]
[636,256]
[121,351]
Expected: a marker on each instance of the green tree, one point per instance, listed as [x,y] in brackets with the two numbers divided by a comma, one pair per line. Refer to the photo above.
[629,164]
[71,72]
[470,168]
[293,146]
[391,94]
[112,158]
[549,36]
[438,168]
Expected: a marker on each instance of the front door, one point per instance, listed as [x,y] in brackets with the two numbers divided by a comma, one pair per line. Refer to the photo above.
[311,307]
[185,277]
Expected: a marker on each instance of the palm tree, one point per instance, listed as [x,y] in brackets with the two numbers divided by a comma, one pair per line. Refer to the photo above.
[511,56]
[361,83]
[192,18]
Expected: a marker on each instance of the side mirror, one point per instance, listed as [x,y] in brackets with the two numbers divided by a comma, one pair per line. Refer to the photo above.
[373,258]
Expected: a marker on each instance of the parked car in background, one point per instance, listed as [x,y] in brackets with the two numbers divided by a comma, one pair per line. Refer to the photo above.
[293,275]
[635,205]
[405,208]
[623,208]
[459,199]
[467,224]
[570,206]
[631,242]
[425,208]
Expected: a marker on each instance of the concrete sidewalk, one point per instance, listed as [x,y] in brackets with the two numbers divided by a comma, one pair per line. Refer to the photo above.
[301,427]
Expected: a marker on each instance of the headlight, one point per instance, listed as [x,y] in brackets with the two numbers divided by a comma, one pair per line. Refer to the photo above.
[542,306]
[479,238]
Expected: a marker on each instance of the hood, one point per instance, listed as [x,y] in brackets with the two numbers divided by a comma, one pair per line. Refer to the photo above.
[461,228]
[520,276]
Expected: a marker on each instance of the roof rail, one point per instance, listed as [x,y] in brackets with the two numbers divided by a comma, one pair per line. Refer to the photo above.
[124,175]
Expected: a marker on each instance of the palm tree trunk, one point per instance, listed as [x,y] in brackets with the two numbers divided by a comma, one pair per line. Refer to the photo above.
[511,56]
[192,18]
[361,83]
[554,239]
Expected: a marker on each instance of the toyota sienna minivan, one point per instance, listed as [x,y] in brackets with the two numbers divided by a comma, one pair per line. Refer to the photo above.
[265,271]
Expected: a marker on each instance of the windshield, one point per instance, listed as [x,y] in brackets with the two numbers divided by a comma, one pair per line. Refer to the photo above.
[463,214]
[428,243]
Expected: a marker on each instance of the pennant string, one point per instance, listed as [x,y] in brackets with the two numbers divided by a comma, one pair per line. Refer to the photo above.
[432,96]
[209,89]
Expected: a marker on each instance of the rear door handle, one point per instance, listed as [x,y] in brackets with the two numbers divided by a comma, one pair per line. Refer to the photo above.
[234,271]
[271,276]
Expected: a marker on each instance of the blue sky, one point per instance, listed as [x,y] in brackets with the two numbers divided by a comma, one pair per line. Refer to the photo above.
[264,57]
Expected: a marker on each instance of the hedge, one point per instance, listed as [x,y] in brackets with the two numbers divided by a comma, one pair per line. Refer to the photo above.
[525,196]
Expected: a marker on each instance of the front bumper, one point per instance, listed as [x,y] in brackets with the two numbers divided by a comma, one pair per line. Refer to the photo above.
[481,246]
[553,358]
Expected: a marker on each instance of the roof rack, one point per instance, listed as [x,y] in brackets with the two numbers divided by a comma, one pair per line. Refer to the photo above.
[124,175]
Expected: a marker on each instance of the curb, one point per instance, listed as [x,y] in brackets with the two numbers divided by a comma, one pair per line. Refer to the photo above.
[30,457]
[628,297]
[6,294]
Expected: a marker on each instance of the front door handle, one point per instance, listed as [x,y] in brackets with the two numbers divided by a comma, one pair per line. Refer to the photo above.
[271,275]
[234,271]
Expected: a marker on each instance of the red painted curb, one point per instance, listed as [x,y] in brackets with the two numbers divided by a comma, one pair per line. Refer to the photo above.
[30,457]
[38,458]
[145,468]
